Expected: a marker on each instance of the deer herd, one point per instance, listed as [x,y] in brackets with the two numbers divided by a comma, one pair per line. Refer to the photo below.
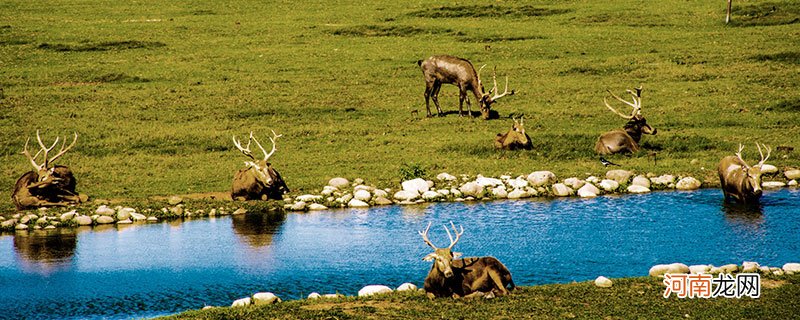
[54,185]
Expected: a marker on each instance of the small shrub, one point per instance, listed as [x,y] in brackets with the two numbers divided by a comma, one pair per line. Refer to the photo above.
[412,170]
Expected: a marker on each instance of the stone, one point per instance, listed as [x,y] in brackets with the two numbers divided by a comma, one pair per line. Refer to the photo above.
[174,200]
[298,206]
[517,194]
[768,169]
[663,180]
[444,176]
[373,290]
[21,226]
[382,201]
[431,195]
[688,183]
[517,183]
[262,298]
[593,179]
[561,190]
[637,189]
[792,183]
[42,220]
[339,182]
[407,287]
[764,270]
[358,181]
[792,174]
[641,180]
[417,185]
[500,192]
[104,210]
[50,227]
[791,268]
[125,213]
[314,296]
[443,192]
[588,191]
[603,282]
[317,206]
[405,195]
[126,221]
[378,193]
[778,272]
[660,269]
[699,269]
[27,218]
[238,211]
[772,184]
[135,216]
[332,295]
[609,185]
[152,219]
[83,220]
[67,216]
[574,183]
[472,188]
[488,182]
[729,268]
[618,175]
[345,198]
[8,223]
[541,178]
[177,210]
[309,198]
[328,190]
[104,220]
[362,195]
[355,203]
[749,266]
[243,302]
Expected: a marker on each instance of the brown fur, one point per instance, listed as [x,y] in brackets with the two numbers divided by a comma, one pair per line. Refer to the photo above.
[739,182]
[624,140]
[514,139]
[470,275]
[249,184]
[56,188]
[443,69]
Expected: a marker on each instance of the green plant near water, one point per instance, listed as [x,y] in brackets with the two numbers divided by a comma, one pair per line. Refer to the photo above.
[412,170]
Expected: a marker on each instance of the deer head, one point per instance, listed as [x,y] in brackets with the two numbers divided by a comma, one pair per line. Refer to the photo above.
[636,121]
[753,174]
[489,98]
[261,167]
[442,257]
[45,169]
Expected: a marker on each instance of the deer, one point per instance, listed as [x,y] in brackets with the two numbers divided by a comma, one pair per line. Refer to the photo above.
[625,140]
[258,181]
[468,277]
[47,185]
[739,180]
[441,69]
[515,138]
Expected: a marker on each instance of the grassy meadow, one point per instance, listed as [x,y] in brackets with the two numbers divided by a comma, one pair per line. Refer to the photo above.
[156,89]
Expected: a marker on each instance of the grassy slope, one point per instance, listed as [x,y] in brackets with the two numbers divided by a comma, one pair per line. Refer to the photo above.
[156,89]
[638,298]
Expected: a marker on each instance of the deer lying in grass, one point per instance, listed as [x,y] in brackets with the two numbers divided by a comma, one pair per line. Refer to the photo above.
[515,138]
[442,69]
[739,180]
[469,277]
[46,185]
[625,139]
[259,181]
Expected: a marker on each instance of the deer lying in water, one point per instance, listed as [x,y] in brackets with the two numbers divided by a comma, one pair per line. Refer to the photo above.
[442,69]
[468,277]
[515,138]
[739,180]
[627,138]
[46,185]
[259,181]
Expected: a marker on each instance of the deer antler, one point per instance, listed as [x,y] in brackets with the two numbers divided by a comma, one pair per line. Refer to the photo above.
[494,89]
[246,150]
[636,105]
[480,83]
[763,158]
[424,235]
[44,149]
[458,234]
[62,150]
[739,155]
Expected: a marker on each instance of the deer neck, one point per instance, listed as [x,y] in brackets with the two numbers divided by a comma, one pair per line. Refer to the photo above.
[634,130]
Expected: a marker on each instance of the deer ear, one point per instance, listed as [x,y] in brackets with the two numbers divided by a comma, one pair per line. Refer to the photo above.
[429,257]
[456,255]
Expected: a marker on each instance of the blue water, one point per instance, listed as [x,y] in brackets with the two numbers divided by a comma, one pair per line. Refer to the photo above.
[156,269]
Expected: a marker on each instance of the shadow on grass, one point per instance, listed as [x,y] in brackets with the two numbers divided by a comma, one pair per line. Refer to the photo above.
[787,57]
[766,14]
[483,11]
[101,46]
[390,31]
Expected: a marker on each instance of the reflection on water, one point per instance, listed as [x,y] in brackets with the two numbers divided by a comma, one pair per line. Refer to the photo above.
[145,270]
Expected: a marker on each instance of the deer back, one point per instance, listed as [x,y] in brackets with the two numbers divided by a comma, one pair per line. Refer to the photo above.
[739,181]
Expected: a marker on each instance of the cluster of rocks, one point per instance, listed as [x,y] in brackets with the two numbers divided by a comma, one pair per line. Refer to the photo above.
[262,298]
[747,267]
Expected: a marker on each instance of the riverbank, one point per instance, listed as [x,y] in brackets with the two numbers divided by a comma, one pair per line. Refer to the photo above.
[628,298]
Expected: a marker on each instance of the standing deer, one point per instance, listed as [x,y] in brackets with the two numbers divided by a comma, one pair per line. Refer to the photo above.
[46,185]
[468,277]
[259,181]
[739,180]
[515,138]
[627,138]
[442,69]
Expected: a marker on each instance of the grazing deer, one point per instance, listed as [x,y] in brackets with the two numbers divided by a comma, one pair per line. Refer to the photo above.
[46,185]
[515,138]
[468,277]
[739,180]
[443,69]
[627,138]
[259,181]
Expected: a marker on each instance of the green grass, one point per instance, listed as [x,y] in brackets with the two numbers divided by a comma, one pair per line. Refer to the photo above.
[156,89]
[637,298]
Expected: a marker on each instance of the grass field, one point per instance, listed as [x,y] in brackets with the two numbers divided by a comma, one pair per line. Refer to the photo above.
[156,89]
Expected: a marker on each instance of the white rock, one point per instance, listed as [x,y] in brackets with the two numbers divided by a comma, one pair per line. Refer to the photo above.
[517,194]
[83,220]
[443,192]
[104,220]
[699,268]
[67,216]
[174,200]
[472,188]
[339,182]
[688,183]
[663,180]
[488,182]
[405,195]
[792,174]
[362,195]
[637,189]
[620,176]
[431,195]
[345,198]
[444,176]
[588,191]
[332,296]
[317,206]
[772,184]
[750,267]
[126,221]
[407,287]
[768,169]
[500,192]
[355,203]
[417,185]
[764,270]
[363,187]
[314,295]
[21,226]
[729,268]
[660,269]
[791,268]
[243,302]
[265,298]
[603,282]
[574,183]
[561,190]
[593,179]
[309,198]
[125,213]
[792,183]
[609,185]
[382,201]
[298,206]
[541,178]
[778,272]
[104,210]
[373,290]
[135,216]
[517,183]
[152,219]
[641,180]
[378,193]
[329,190]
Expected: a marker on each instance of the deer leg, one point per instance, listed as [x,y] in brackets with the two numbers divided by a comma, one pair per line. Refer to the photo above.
[469,105]
[436,87]
[428,89]
[498,283]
